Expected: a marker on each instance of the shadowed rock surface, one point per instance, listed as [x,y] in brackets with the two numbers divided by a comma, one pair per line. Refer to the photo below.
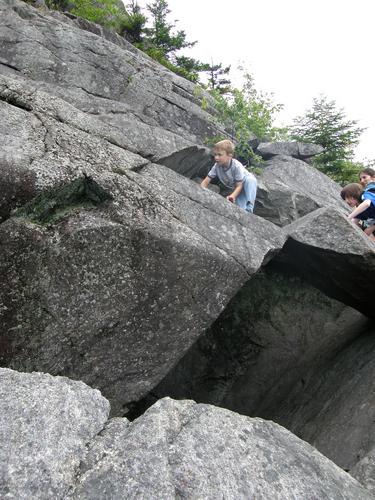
[45,424]
[184,450]
[112,295]
[327,250]
[266,341]
[335,409]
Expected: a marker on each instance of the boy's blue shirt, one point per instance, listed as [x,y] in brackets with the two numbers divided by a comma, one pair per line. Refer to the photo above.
[368,194]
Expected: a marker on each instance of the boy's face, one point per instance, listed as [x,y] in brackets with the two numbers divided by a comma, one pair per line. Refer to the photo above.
[222,158]
[364,179]
[351,201]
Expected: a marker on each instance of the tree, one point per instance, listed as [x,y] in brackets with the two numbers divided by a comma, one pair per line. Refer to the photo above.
[134,23]
[217,77]
[328,126]
[247,113]
[161,33]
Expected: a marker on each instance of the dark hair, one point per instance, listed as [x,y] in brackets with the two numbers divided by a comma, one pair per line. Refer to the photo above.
[355,190]
[368,171]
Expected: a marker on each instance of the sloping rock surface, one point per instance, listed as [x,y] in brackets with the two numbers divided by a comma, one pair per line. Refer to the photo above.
[109,293]
[289,189]
[184,450]
[114,82]
[45,424]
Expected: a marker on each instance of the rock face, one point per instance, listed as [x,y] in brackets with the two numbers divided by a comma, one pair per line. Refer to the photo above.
[126,288]
[184,450]
[335,409]
[290,189]
[334,255]
[157,111]
[364,471]
[273,332]
[45,424]
[299,150]
[113,264]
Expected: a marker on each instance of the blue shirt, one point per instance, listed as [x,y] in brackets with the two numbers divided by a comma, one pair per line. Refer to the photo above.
[368,194]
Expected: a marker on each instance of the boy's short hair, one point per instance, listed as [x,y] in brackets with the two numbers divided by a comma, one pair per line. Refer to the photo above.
[368,171]
[225,145]
[353,190]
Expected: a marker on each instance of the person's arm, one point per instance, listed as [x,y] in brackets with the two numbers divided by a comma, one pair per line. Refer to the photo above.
[206,182]
[232,197]
[358,210]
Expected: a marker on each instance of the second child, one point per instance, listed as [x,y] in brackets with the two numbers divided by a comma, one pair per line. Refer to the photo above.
[363,204]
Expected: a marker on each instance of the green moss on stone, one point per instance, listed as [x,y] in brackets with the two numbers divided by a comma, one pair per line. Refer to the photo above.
[50,206]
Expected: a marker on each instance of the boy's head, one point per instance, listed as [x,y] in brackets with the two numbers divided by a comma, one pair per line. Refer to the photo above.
[351,193]
[223,152]
[366,175]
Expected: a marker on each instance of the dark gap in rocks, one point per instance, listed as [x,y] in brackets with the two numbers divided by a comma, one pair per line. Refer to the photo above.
[9,66]
[272,334]
[14,101]
[49,206]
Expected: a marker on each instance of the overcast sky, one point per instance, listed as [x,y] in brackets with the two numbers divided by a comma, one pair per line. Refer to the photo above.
[295,49]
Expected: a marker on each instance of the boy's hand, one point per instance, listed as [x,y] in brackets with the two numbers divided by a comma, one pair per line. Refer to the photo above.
[231,198]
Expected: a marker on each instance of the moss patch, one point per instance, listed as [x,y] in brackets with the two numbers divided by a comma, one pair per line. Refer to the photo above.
[50,206]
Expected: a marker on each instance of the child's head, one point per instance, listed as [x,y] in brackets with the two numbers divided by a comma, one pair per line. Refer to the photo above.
[366,175]
[223,152]
[351,193]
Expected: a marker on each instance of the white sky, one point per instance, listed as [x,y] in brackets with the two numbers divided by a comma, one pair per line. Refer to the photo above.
[294,49]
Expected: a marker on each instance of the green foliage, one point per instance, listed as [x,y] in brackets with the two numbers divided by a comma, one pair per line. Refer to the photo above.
[246,113]
[217,77]
[161,33]
[134,23]
[328,126]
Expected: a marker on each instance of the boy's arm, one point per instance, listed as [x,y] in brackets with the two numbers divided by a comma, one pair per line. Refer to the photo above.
[236,191]
[358,210]
[206,182]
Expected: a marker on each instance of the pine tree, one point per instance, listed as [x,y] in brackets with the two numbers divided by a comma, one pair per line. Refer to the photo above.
[217,77]
[326,125]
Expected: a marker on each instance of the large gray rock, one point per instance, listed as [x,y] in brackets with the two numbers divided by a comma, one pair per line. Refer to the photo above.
[299,150]
[334,409]
[121,87]
[184,450]
[288,189]
[273,332]
[364,471]
[327,250]
[123,304]
[45,424]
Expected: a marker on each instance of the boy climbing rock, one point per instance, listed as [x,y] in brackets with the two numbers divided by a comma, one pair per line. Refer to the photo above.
[233,175]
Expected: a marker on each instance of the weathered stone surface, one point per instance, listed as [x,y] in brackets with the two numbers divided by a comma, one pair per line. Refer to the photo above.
[184,450]
[119,86]
[299,150]
[334,255]
[112,295]
[268,338]
[364,471]
[45,424]
[335,408]
[288,189]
